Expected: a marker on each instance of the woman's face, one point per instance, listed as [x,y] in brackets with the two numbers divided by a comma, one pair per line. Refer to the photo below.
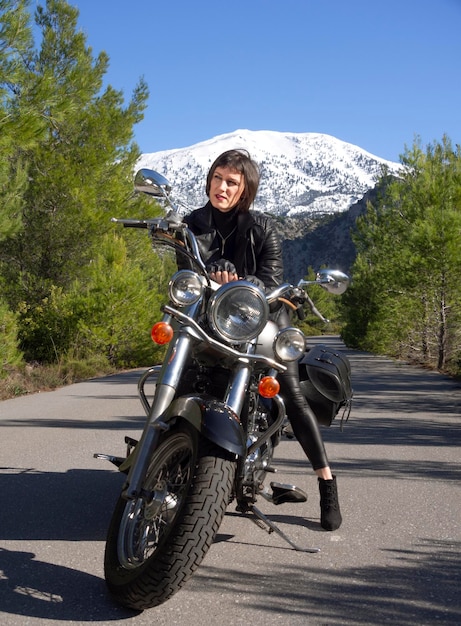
[226,188]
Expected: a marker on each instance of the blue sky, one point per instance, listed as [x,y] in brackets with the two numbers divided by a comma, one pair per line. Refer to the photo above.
[372,73]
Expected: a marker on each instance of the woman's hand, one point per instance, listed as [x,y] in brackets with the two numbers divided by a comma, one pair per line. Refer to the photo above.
[223,276]
[222,272]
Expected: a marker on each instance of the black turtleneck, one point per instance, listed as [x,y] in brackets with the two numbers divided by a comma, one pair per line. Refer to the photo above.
[226,227]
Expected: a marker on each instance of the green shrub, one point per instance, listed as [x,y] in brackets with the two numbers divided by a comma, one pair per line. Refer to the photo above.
[10,355]
[107,314]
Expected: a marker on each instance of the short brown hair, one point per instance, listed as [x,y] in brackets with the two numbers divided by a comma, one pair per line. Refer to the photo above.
[240,161]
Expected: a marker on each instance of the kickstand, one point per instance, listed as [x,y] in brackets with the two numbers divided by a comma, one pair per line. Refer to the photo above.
[271,527]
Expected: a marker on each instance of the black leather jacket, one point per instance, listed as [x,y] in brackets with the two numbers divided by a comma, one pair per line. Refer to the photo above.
[257,246]
[258,254]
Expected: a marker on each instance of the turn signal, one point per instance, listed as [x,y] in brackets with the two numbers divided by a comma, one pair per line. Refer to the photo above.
[161,333]
[268,387]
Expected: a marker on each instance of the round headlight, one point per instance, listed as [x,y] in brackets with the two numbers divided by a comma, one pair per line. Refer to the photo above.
[290,344]
[238,311]
[186,287]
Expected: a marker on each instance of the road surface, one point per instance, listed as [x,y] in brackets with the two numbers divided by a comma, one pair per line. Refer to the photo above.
[395,560]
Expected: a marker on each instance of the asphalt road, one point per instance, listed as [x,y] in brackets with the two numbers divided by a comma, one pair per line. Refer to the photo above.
[395,560]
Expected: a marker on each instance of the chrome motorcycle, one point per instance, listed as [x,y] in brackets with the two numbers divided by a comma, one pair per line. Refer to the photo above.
[214,419]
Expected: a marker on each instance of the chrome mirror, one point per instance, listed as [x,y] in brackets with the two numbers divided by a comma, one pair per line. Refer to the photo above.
[334,281]
[152,183]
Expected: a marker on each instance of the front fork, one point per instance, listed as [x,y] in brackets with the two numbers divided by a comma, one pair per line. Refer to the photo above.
[169,377]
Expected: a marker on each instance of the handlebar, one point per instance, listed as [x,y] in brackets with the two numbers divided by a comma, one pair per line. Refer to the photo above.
[156,223]
[166,227]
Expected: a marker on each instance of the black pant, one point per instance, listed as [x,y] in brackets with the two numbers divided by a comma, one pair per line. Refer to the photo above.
[301,416]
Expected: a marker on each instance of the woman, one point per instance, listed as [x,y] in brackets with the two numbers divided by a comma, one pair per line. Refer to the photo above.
[235,243]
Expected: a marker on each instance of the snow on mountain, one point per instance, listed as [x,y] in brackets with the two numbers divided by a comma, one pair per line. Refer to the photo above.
[300,172]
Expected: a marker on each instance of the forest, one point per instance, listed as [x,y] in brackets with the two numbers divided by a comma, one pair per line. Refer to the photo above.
[78,295]
[405,300]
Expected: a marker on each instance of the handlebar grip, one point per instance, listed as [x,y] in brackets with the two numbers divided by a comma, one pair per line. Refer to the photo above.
[300,313]
[130,223]
[135,225]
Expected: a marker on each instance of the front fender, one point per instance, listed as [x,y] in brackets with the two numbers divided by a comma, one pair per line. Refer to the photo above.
[212,419]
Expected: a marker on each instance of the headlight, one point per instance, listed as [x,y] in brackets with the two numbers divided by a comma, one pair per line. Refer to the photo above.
[186,287]
[238,311]
[290,344]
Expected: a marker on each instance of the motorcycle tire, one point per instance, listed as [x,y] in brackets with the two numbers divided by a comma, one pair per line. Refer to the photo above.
[155,543]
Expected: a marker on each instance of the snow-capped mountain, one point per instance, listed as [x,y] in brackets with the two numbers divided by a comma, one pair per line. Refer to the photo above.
[300,172]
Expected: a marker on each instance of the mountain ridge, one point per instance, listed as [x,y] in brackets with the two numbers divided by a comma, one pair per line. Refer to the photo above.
[301,173]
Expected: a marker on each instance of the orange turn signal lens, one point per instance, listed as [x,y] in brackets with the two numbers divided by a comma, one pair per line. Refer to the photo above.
[161,333]
[268,387]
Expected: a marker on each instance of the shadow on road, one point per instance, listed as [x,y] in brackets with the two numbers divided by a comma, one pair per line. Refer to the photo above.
[402,594]
[71,506]
[37,589]
[45,506]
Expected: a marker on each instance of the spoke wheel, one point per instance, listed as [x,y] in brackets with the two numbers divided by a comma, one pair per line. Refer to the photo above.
[157,541]
[146,521]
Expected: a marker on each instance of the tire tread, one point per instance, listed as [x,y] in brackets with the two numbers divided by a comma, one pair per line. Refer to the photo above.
[168,569]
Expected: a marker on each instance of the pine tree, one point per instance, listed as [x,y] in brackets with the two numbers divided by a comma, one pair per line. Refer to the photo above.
[67,164]
[19,128]
[18,125]
[82,165]
[431,197]
[409,260]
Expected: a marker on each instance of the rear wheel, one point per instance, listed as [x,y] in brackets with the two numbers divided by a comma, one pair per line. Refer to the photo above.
[157,541]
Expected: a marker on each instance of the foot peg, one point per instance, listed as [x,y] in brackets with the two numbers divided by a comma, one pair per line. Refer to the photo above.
[115,460]
[118,460]
[286,493]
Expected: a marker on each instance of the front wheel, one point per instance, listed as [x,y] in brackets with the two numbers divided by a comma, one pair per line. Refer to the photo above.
[156,542]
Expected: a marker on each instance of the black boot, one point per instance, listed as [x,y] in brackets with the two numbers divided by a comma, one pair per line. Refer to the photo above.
[330,515]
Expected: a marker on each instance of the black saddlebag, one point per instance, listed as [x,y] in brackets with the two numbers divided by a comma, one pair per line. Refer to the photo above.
[325,379]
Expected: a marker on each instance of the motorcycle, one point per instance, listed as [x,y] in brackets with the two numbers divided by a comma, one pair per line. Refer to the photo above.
[215,418]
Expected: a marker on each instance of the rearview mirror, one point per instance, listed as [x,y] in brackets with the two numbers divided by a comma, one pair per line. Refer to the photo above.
[152,183]
[334,281]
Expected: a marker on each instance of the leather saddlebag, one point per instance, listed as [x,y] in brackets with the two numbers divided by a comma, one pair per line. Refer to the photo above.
[325,379]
